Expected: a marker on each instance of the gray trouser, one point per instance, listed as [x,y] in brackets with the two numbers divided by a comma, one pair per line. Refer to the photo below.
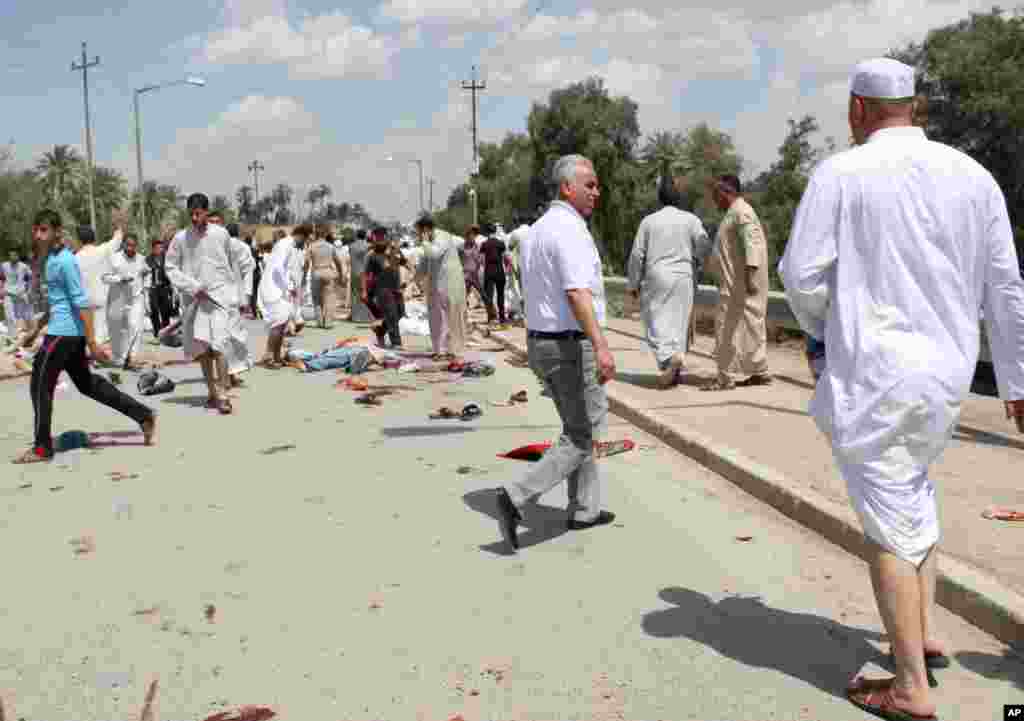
[569,370]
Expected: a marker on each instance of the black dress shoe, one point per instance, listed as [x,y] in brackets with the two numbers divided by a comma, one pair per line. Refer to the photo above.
[603,519]
[508,519]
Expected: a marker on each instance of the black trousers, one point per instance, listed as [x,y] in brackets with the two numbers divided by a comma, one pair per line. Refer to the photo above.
[160,308]
[67,353]
[492,282]
[389,306]
[256,277]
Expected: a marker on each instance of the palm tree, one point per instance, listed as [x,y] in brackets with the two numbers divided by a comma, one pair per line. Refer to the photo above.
[244,198]
[59,168]
[325,193]
[661,152]
[282,197]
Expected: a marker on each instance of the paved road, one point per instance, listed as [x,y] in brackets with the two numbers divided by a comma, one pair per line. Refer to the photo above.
[359,574]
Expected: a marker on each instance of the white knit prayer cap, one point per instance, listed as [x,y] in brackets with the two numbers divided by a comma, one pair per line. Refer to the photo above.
[883,79]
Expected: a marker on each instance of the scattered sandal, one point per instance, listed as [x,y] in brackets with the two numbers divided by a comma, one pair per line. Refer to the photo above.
[31,456]
[757,380]
[520,397]
[443,413]
[224,407]
[876,698]
[368,399]
[1002,514]
[719,385]
[471,411]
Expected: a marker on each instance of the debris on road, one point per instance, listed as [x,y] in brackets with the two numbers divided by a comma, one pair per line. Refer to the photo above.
[147,705]
[278,449]
[83,545]
[1002,514]
[744,539]
[243,713]
[210,612]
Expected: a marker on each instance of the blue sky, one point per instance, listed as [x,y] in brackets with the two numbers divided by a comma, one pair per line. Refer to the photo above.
[324,93]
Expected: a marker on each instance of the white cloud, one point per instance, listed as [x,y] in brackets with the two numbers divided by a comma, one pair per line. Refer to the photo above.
[456,12]
[213,159]
[322,46]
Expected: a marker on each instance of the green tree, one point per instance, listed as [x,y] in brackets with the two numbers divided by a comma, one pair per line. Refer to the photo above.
[244,198]
[281,202]
[58,169]
[162,207]
[776,192]
[110,190]
[583,118]
[969,75]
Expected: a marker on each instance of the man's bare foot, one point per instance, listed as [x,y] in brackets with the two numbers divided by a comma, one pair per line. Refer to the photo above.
[149,431]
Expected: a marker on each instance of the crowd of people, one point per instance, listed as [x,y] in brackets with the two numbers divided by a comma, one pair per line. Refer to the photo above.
[897,244]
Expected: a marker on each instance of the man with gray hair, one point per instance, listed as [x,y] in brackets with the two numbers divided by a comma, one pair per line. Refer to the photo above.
[565,310]
[896,245]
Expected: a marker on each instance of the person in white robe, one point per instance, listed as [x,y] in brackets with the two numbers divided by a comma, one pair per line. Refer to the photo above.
[237,353]
[17,283]
[203,265]
[668,244]
[441,272]
[94,262]
[300,280]
[277,292]
[125,305]
[896,245]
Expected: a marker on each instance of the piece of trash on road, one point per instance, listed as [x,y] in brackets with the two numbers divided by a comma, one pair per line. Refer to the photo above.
[277,449]
[147,704]
[56,488]
[83,545]
[1002,514]
[210,612]
[466,470]
[744,539]
[122,476]
[243,713]
[354,384]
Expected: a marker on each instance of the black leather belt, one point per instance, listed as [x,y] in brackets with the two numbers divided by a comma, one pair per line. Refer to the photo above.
[560,335]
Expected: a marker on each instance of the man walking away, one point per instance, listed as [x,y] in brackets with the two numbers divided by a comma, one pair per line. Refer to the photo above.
[896,245]
[567,348]
[661,264]
[493,253]
[741,264]
[69,334]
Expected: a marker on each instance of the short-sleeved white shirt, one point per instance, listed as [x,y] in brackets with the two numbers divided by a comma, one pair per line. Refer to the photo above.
[560,255]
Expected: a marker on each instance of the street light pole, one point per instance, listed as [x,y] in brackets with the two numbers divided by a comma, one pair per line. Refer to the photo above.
[430,182]
[138,162]
[420,163]
[84,67]
[198,82]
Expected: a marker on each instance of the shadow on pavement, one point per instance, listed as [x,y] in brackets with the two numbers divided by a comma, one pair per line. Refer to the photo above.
[540,523]
[1007,667]
[415,431]
[191,401]
[748,404]
[810,648]
[967,434]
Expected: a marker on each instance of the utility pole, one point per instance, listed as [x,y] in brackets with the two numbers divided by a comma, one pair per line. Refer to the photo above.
[474,87]
[255,167]
[430,182]
[84,68]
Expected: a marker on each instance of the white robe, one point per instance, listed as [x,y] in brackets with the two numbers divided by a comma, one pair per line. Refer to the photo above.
[17,306]
[276,286]
[94,261]
[125,305]
[661,266]
[237,351]
[211,263]
[896,246]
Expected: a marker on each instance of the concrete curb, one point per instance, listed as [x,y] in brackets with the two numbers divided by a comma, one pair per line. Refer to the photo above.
[973,595]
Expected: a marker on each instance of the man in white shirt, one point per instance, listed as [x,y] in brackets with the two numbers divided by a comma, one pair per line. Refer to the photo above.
[564,314]
[125,306]
[896,245]
[204,266]
[17,282]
